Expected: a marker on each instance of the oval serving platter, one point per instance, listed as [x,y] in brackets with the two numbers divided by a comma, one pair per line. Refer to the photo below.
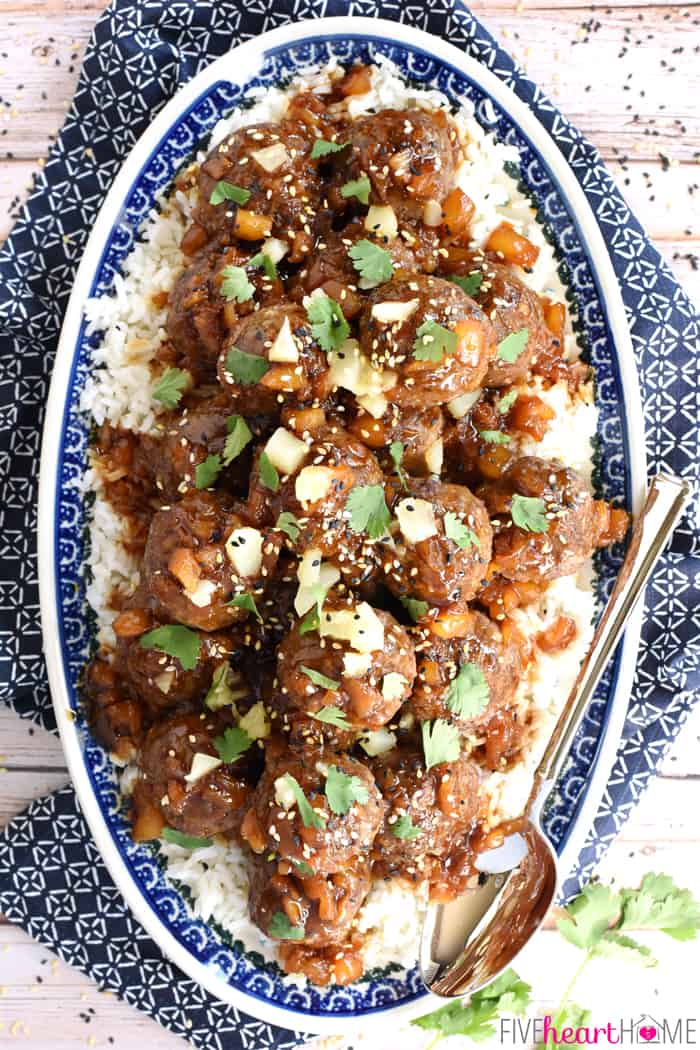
[227,972]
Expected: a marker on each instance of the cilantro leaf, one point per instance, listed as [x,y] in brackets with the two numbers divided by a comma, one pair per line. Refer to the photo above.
[589,915]
[614,945]
[232,744]
[239,435]
[469,284]
[178,838]
[246,368]
[510,348]
[660,905]
[235,284]
[468,693]
[528,512]
[247,602]
[373,263]
[289,525]
[507,994]
[175,640]
[404,828]
[226,191]
[311,622]
[359,188]
[440,742]
[206,473]
[507,401]
[328,325]
[319,679]
[282,930]
[220,694]
[458,532]
[323,148]
[303,868]
[265,262]
[415,608]
[433,341]
[396,452]
[343,791]
[331,716]
[368,510]
[309,817]
[268,473]
[495,437]
[170,387]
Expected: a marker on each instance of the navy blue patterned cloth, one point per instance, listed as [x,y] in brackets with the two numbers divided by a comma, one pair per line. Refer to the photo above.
[52,881]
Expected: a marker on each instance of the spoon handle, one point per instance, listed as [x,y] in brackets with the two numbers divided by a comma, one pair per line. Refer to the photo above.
[665,503]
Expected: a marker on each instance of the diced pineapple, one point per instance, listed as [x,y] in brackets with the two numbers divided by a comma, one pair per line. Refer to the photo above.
[285,451]
[271,158]
[356,664]
[309,571]
[393,686]
[202,594]
[381,220]
[375,404]
[307,597]
[244,550]
[201,765]
[434,457]
[461,405]
[416,519]
[377,742]
[284,349]
[284,794]
[313,483]
[394,311]
[361,627]
[275,249]
[256,723]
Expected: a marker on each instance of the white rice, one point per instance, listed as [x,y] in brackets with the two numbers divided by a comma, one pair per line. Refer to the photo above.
[119,391]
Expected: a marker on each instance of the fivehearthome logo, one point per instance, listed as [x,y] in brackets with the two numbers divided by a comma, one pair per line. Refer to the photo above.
[642,1031]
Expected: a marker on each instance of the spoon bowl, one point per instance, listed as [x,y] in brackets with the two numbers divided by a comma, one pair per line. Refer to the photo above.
[468,941]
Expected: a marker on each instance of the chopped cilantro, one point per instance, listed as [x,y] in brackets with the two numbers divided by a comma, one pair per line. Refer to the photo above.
[247,602]
[175,640]
[219,694]
[331,716]
[282,930]
[470,284]
[289,525]
[468,693]
[495,437]
[507,994]
[415,609]
[440,742]
[373,263]
[232,744]
[303,868]
[323,148]
[458,532]
[246,368]
[239,435]
[529,513]
[404,828]
[265,262]
[226,191]
[206,473]
[178,838]
[396,451]
[328,325]
[433,341]
[359,188]
[170,387]
[309,817]
[368,510]
[343,791]
[320,679]
[507,401]
[510,348]
[235,284]
[268,473]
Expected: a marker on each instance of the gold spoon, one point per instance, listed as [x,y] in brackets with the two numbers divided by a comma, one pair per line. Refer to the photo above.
[468,941]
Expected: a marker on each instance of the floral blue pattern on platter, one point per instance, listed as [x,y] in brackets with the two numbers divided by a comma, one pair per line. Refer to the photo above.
[240,970]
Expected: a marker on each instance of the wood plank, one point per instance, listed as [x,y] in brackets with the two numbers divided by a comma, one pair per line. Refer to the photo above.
[27,746]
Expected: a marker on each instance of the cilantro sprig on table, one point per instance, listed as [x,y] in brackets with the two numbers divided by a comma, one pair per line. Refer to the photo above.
[508,994]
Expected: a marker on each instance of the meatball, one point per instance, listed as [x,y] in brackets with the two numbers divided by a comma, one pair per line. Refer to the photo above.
[312,833]
[440,803]
[199,556]
[440,350]
[116,718]
[441,550]
[467,680]
[212,804]
[159,680]
[274,330]
[369,686]
[282,201]
[409,157]
[418,430]
[317,493]
[557,520]
[323,906]
[201,315]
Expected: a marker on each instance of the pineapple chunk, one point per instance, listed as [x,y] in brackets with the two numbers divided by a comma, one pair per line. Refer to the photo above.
[381,220]
[361,627]
[393,686]
[271,157]
[394,311]
[313,483]
[307,597]
[256,723]
[244,550]
[434,456]
[377,742]
[461,405]
[284,348]
[356,664]
[416,519]
[201,765]
[285,451]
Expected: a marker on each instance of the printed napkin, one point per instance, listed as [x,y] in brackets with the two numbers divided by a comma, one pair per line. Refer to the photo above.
[52,881]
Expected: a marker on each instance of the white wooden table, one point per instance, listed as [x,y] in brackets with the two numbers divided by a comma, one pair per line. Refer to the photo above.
[641,110]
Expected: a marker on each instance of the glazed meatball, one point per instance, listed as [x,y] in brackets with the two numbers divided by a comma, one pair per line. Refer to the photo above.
[214,803]
[159,680]
[322,906]
[283,201]
[557,532]
[418,430]
[440,803]
[467,680]
[427,371]
[315,835]
[116,718]
[202,311]
[370,686]
[441,550]
[274,330]
[317,493]
[196,561]
[409,157]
